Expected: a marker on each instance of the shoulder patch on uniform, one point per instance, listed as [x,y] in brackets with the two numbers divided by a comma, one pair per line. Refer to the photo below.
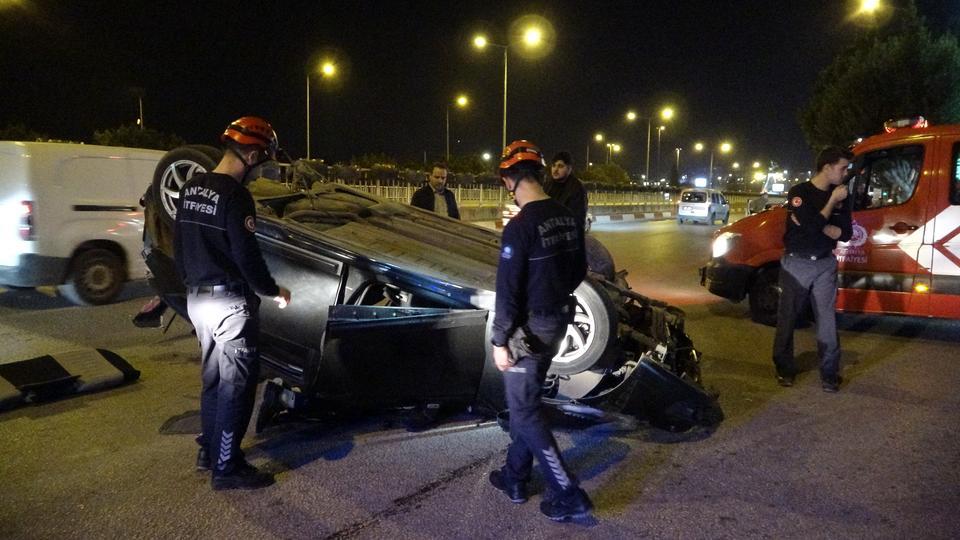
[796,202]
[250,224]
[506,253]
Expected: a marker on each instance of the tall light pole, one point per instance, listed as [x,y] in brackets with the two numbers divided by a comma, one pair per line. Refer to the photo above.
[597,138]
[678,163]
[612,148]
[327,69]
[666,114]
[461,102]
[724,147]
[532,38]
[659,132]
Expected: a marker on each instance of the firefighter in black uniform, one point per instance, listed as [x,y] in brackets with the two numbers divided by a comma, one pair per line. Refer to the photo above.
[218,257]
[541,262]
[818,215]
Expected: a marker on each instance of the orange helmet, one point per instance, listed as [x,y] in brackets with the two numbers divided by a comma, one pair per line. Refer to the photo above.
[521,152]
[252,131]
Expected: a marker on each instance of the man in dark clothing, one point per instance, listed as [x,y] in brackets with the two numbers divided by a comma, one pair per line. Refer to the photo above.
[434,195]
[817,217]
[566,188]
[541,263]
[218,257]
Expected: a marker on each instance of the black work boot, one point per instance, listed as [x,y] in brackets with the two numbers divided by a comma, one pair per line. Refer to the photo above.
[203,459]
[241,475]
[516,491]
[571,504]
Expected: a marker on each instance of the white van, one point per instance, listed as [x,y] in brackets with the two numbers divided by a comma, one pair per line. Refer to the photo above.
[70,216]
[703,205]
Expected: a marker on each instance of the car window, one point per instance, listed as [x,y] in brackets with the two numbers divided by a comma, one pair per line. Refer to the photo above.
[723,200]
[955,176]
[886,177]
[693,196]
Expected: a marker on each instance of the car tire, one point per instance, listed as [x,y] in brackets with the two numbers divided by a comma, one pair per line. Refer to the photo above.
[679,221]
[174,169]
[726,218]
[765,296]
[95,277]
[587,343]
[711,219]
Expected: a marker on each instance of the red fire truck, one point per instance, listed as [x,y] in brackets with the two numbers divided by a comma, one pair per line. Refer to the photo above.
[904,256]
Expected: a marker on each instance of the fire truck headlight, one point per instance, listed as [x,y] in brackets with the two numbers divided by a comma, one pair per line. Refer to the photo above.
[723,243]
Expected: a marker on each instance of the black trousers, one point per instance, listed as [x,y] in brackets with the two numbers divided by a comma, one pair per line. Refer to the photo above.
[523,382]
[228,329]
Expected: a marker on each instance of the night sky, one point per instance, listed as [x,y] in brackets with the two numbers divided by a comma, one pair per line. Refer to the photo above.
[732,70]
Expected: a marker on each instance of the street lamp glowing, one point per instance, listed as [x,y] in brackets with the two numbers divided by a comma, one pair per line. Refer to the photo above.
[532,36]
[328,69]
[598,137]
[698,147]
[462,101]
[486,156]
[480,41]
[736,164]
[616,148]
[756,164]
[726,147]
[869,6]
[631,116]
[666,113]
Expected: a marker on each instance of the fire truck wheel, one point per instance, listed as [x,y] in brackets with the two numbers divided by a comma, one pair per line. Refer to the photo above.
[765,296]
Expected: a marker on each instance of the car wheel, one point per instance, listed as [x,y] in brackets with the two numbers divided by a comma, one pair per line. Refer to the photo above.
[711,219]
[174,169]
[587,341]
[765,296]
[95,278]
[726,218]
[679,221]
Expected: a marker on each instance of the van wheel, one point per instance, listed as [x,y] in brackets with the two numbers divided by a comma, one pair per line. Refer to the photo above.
[96,277]
[711,219]
[726,218]
[587,341]
[765,297]
[174,169]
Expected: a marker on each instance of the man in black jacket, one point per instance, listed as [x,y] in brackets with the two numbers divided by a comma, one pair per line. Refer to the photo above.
[434,195]
[541,262]
[219,259]
[566,188]
[818,215]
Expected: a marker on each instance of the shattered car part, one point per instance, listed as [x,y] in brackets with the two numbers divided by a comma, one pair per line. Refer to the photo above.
[394,306]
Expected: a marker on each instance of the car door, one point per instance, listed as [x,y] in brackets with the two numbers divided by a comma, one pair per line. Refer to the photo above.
[883,261]
[375,355]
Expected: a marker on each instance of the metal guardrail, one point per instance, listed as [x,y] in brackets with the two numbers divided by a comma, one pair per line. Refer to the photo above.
[483,196]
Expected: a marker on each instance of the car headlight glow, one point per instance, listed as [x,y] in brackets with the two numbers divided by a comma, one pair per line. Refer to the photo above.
[723,243]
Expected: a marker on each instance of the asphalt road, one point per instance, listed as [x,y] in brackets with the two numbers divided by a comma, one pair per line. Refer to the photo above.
[880,459]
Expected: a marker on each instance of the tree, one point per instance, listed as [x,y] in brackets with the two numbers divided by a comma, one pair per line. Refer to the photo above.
[19,132]
[607,173]
[897,71]
[132,136]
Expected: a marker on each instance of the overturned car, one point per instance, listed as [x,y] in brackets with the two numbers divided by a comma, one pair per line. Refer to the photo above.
[393,307]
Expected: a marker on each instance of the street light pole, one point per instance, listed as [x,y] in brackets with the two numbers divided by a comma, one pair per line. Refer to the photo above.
[646,172]
[308,116]
[659,132]
[503,141]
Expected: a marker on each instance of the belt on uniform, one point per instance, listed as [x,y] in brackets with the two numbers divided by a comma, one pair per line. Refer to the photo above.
[810,257]
[238,288]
